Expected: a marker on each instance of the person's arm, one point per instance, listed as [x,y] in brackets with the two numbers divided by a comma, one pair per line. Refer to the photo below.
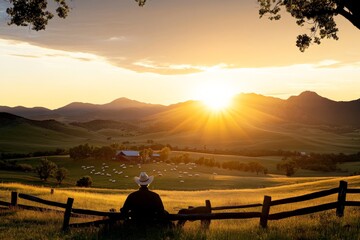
[159,204]
[127,205]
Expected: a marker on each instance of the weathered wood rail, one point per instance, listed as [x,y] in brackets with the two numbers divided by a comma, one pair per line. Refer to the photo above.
[206,214]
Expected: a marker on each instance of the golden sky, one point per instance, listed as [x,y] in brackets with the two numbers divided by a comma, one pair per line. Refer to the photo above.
[170,51]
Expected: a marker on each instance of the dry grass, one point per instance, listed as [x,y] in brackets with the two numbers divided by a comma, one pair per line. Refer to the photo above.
[325,225]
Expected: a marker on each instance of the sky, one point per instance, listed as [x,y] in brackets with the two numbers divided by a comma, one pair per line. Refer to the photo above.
[168,52]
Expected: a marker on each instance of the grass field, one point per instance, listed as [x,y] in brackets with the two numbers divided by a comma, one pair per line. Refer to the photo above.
[26,137]
[196,184]
[315,226]
[117,175]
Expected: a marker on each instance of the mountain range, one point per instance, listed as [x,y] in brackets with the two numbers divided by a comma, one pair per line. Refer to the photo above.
[307,108]
[253,121]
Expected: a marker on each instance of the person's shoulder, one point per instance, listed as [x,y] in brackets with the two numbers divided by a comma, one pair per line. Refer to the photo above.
[154,193]
[133,193]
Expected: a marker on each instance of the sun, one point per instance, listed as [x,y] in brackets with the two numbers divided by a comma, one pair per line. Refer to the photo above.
[216,97]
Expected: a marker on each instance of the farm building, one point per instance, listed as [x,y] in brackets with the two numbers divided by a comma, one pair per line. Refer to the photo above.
[133,156]
[127,155]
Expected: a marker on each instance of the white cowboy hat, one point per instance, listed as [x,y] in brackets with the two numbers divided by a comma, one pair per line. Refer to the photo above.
[144,179]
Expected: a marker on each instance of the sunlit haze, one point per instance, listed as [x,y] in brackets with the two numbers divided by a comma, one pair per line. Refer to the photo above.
[217,96]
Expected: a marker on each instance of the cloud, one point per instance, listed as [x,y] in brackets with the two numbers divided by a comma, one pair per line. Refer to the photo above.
[24,56]
[147,65]
[112,39]
[180,37]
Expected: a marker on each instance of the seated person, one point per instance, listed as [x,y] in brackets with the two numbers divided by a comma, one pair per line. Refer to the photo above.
[144,207]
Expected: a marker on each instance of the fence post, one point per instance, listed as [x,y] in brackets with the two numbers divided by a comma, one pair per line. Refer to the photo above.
[341,199]
[14,199]
[206,223]
[67,214]
[265,211]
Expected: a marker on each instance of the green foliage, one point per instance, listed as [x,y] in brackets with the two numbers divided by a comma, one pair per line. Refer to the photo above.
[34,13]
[105,152]
[61,174]
[246,167]
[80,152]
[85,181]
[46,169]
[289,166]
[146,154]
[14,166]
[164,153]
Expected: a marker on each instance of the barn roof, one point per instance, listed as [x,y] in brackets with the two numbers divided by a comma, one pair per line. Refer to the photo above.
[128,153]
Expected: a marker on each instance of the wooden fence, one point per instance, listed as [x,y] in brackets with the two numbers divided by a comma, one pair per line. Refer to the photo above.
[205,213]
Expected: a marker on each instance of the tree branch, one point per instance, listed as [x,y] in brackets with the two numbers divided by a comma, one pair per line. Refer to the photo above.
[350,17]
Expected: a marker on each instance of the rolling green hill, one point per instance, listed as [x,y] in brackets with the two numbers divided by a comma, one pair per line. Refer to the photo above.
[22,135]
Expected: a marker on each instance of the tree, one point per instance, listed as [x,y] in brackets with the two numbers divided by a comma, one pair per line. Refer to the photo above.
[164,153]
[256,167]
[61,174]
[105,152]
[81,152]
[146,154]
[35,12]
[45,169]
[317,13]
[289,166]
[85,181]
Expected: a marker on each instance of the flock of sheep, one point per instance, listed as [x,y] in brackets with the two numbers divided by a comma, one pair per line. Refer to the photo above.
[183,170]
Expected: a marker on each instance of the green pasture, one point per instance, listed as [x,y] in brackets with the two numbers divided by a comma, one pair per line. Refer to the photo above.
[119,175]
[26,138]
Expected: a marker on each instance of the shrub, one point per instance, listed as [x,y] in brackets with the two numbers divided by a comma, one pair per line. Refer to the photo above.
[61,174]
[85,181]
[25,167]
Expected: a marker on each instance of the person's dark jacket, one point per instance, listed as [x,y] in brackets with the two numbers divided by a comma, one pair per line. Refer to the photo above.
[143,206]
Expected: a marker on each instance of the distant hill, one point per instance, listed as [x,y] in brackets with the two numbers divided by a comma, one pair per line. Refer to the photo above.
[26,112]
[117,110]
[18,134]
[97,125]
[257,111]
[304,122]
[310,108]
[307,108]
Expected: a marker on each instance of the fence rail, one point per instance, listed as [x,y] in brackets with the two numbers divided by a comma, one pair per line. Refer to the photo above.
[303,211]
[237,207]
[43,201]
[205,214]
[305,197]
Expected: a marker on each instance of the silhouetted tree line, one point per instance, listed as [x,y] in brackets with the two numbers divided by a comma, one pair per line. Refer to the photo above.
[58,151]
[240,152]
[86,151]
[245,167]
[45,170]
[211,162]
[316,161]
[14,166]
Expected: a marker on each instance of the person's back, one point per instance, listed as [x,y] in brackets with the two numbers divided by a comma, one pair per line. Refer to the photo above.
[144,207]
